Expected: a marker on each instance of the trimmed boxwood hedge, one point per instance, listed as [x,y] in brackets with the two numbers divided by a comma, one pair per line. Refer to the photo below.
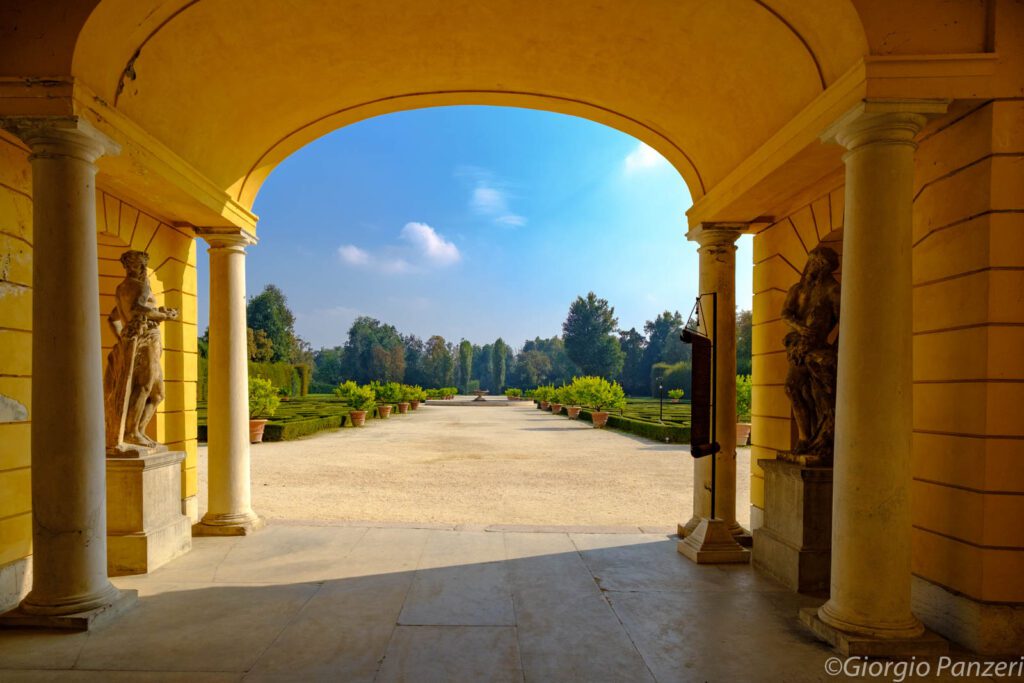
[287,431]
[665,433]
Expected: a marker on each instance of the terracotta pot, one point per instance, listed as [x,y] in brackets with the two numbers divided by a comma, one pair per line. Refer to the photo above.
[544,405]
[256,430]
[413,405]
[742,433]
[358,417]
[384,410]
[403,408]
[573,412]
[599,418]
[556,408]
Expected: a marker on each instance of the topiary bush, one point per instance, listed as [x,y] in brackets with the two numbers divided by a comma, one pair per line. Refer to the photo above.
[263,400]
[599,393]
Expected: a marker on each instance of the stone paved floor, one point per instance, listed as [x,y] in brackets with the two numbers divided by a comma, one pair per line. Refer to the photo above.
[345,603]
[348,603]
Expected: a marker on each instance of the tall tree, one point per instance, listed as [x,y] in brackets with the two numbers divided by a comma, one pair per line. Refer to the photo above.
[588,332]
[533,368]
[663,344]
[465,365]
[499,353]
[482,365]
[328,367]
[370,351]
[744,342]
[268,311]
[414,351]
[438,362]
[633,378]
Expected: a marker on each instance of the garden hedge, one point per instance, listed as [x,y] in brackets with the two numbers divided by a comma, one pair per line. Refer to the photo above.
[665,433]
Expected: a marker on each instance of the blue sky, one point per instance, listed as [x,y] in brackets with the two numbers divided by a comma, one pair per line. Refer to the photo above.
[473,222]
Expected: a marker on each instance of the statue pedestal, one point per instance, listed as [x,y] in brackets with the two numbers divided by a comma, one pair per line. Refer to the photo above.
[145,527]
[794,546]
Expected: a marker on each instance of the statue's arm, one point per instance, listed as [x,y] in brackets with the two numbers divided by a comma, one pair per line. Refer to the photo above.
[114,322]
[155,313]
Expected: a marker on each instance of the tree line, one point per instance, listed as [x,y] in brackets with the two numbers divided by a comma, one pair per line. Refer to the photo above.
[591,343]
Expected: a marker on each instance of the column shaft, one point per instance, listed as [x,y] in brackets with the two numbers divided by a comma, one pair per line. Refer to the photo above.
[870,583]
[69,518]
[718,274]
[230,498]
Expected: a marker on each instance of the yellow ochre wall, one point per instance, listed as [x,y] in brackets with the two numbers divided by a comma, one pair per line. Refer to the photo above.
[120,226]
[968,457]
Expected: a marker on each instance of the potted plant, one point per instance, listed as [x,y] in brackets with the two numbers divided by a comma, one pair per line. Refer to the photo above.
[544,394]
[513,394]
[263,402]
[388,393]
[570,399]
[416,396]
[360,399]
[557,400]
[600,394]
[404,398]
[675,395]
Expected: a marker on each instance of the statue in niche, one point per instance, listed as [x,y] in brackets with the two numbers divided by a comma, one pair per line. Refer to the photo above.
[811,311]
[133,383]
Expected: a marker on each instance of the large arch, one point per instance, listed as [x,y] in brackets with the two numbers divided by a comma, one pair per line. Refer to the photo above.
[675,84]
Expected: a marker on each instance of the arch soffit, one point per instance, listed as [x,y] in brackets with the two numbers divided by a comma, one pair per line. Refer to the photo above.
[704,115]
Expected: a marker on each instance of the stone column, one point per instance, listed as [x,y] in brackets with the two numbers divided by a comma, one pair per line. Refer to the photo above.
[718,274]
[230,493]
[871,529]
[69,516]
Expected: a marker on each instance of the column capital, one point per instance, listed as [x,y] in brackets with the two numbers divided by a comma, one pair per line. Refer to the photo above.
[716,234]
[883,121]
[226,238]
[60,136]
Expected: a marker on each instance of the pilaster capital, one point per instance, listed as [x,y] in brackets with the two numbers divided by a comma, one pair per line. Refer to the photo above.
[233,239]
[883,121]
[717,235]
[60,136]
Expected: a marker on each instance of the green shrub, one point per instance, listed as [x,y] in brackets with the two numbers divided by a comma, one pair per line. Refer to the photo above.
[599,393]
[513,393]
[544,392]
[671,375]
[665,433]
[263,400]
[675,394]
[202,385]
[387,392]
[287,431]
[744,389]
[566,395]
[359,398]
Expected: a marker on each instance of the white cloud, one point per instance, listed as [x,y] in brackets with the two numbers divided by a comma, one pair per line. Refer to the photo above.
[395,266]
[434,248]
[353,255]
[643,157]
[511,219]
[488,200]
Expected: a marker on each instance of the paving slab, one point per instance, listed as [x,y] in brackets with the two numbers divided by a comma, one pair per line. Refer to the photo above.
[441,654]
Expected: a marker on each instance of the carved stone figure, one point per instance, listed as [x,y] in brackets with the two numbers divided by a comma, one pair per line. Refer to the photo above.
[812,312]
[133,383]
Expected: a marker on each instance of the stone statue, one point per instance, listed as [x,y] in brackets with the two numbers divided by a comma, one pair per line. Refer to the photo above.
[811,311]
[134,383]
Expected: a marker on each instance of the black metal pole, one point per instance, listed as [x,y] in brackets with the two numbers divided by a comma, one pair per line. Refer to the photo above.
[661,402]
[714,393]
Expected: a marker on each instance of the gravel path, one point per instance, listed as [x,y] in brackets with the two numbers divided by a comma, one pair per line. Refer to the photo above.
[468,465]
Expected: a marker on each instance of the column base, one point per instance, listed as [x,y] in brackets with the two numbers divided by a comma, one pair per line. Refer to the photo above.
[76,621]
[742,536]
[928,644]
[229,525]
[712,543]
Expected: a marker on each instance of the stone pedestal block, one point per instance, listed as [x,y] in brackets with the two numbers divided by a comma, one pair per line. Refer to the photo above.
[794,544]
[145,526]
[711,542]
